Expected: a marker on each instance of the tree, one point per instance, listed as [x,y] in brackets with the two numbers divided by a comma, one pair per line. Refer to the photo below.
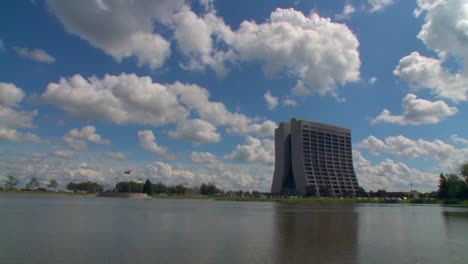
[443,192]
[325,191]
[463,170]
[311,190]
[33,183]
[179,189]
[85,187]
[11,183]
[53,184]
[148,187]
[209,189]
[360,192]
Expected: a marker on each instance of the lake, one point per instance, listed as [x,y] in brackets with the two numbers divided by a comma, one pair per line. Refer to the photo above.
[78,229]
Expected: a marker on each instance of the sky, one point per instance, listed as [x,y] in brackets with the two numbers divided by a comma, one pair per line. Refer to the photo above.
[190,92]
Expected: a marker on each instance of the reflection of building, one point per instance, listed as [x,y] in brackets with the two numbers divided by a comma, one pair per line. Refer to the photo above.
[313,154]
[315,234]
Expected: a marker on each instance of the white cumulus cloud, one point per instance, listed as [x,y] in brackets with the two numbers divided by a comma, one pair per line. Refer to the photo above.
[272,101]
[348,9]
[148,142]
[417,112]
[18,136]
[444,31]
[391,175]
[196,131]
[320,53]
[77,139]
[10,95]
[254,150]
[121,29]
[203,157]
[447,156]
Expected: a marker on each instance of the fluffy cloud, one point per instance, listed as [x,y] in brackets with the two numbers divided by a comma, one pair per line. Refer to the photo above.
[379,5]
[203,157]
[445,26]
[77,139]
[35,54]
[10,118]
[417,112]
[423,72]
[122,99]
[121,29]
[17,136]
[197,98]
[225,176]
[391,175]
[196,131]
[148,142]
[10,95]
[196,38]
[115,155]
[459,139]
[63,154]
[127,98]
[321,54]
[444,31]
[348,9]
[254,150]
[272,101]
[447,155]
[372,80]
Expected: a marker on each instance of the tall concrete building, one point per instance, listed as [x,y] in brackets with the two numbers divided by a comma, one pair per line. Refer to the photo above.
[313,154]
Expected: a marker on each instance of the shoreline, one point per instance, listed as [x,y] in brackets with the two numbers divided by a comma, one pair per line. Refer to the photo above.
[258,199]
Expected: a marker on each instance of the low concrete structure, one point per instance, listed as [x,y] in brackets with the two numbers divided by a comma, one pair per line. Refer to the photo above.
[124,195]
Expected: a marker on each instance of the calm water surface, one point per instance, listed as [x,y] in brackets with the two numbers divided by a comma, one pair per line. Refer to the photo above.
[72,229]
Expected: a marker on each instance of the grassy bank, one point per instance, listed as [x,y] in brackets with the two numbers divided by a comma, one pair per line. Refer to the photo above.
[52,193]
[316,200]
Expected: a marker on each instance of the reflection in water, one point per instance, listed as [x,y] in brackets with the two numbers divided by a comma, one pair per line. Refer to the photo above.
[315,234]
[456,225]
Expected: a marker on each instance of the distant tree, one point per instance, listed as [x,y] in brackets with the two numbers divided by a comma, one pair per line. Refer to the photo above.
[11,183]
[209,189]
[88,186]
[381,193]
[311,190]
[443,192]
[148,187]
[33,183]
[325,191]
[347,194]
[360,192]
[159,188]
[463,170]
[53,184]
[179,189]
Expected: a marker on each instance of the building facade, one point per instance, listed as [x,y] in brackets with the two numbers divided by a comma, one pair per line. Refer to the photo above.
[313,154]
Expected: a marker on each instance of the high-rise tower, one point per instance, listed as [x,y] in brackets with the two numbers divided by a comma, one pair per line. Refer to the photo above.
[313,154]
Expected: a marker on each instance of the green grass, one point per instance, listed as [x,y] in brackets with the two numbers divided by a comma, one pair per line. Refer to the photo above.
[53,193]
[283,200]
[306,200]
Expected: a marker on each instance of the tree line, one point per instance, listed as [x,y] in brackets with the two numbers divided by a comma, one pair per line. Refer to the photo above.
[454,185]
[159,188]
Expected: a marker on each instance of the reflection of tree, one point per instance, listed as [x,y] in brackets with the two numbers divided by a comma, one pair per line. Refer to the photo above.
[315,234]
[456,220]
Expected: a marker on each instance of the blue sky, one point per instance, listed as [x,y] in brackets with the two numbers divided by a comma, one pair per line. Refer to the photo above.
[185,92]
